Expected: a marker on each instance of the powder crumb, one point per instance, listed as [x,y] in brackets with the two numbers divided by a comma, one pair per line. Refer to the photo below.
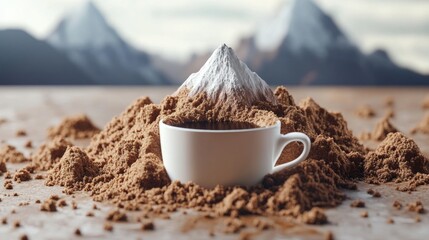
[233,225]
[49,205]
[149,225]
[423,126]
[74,205]
[38,201]
[416,207]
[117,216]
[10,154]
[21,133]
[390,221]
[397,205]
[425,103]
[38,176]
[94,206]
[54,197]
[8,185]
[315,216]
[50,153]
[370,191]
[77,232]
[4,221]
[24,237]
[16,224]
[3,167]
[28,144]
[90,214]
[364,214]
[357,204]
[62,203]
[108,226]
[365,111]
[397,159]
[75,127]
[376,194]
[22,175]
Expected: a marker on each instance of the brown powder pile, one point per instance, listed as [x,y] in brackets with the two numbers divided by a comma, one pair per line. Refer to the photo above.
[75,127]
[422,127]
[397,159]
[12,155]
[22,175]
[123,163]
[73,168]
[50,153]
[365,111]
[382,128]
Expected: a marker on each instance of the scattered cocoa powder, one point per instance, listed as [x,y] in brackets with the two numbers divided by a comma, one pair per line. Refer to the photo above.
[49,205]
[364,214]
[10,154]
[75,127]
[3,167]
[397,205]
[21,133]
[24,237]
[329,235]
[423,126]
[62,203]
[416,207]
[365,111]
[148,225]
[28,144]
[108,226]
[16,224]
[357,204]
[117,216]
[50,153]
[4,221]
[22,175]
[8,184]
[77,232]
[390,221]
[397,159]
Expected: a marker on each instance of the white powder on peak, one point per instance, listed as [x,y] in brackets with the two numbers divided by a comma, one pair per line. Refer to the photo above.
[225,78]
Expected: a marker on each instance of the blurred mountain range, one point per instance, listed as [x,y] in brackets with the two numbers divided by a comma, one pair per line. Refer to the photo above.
[301,45]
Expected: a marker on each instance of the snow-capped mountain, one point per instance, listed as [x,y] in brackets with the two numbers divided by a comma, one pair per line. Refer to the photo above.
[88,40]
[303,45]
[26,60]
[224,78]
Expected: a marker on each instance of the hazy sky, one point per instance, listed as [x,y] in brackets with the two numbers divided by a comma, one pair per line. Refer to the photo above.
[178,28]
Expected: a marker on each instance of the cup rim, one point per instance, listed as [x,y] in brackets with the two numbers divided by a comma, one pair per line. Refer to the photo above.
[277,124]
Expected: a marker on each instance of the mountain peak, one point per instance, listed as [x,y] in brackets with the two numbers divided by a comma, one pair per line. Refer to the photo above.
[299,26]
[226,79]
[84,27]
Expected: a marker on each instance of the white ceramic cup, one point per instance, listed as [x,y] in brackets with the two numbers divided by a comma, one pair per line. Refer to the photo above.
[226,157]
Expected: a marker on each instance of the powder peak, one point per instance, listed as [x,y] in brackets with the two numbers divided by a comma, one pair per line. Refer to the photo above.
[226,79]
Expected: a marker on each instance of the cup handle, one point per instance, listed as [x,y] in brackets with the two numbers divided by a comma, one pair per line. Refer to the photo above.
[283,141]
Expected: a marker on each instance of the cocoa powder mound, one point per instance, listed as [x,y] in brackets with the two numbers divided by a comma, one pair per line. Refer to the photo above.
[75,127]
[73,170]
[128,168]
[382,128]
[423,126]
[397,159]
[49,153]
[10,154]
